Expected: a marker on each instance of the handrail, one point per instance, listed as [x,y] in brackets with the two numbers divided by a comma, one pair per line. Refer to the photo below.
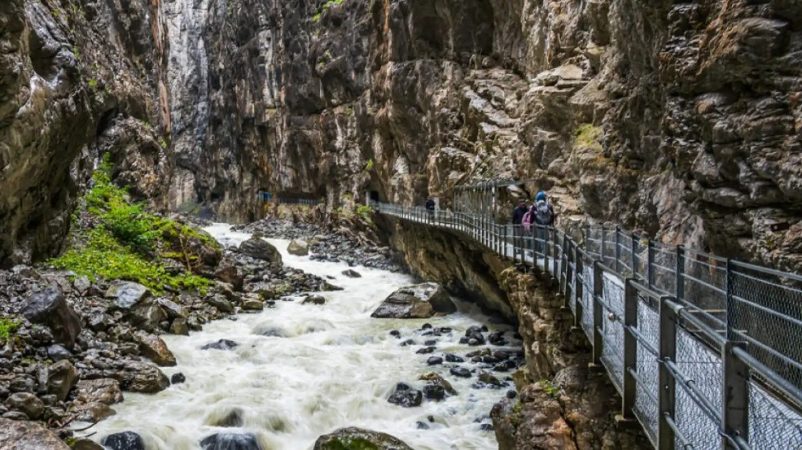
[746,381]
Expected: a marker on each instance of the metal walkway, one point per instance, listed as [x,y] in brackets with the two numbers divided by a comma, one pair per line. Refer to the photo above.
[706,352]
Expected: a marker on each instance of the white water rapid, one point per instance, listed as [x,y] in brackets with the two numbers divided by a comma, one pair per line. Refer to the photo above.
[335,367]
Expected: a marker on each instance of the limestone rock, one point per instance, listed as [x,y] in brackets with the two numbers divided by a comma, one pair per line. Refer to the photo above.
[142,377]
[127,294]
[27,403]
[258,248]
[61,377]
[50,308]
[23,435]
[154,348]
[416,302]
[355,438]
[298,247]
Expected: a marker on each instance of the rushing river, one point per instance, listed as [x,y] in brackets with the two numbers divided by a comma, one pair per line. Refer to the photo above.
[335,366]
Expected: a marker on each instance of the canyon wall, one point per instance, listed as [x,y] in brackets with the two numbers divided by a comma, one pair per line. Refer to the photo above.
[678,119]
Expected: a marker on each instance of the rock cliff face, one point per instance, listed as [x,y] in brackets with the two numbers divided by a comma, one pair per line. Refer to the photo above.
[679,119]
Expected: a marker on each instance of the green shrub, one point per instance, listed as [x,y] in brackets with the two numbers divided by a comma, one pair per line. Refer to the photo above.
[7,328]
[127,241]
[588,136]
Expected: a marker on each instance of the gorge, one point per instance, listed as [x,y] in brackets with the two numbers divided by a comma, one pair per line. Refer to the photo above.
[678,120]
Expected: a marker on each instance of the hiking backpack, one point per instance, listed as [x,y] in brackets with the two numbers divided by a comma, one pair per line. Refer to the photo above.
[543,213]
[529,219]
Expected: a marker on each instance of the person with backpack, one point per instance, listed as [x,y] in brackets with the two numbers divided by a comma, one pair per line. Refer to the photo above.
[430,207]
[540,216]
[517,225]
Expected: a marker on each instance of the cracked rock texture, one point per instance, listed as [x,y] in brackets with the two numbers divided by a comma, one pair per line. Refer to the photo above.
[679,119]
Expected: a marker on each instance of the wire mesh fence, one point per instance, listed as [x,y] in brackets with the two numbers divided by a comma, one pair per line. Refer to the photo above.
[701,326]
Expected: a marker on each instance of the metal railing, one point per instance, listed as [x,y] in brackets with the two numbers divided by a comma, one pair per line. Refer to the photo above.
[706,352]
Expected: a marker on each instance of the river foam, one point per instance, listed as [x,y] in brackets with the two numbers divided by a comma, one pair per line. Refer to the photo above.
[301,371]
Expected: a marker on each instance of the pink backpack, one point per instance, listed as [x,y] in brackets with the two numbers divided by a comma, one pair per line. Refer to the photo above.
[529,219]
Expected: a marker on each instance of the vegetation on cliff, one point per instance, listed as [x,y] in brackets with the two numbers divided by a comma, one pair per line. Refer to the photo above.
[115,238]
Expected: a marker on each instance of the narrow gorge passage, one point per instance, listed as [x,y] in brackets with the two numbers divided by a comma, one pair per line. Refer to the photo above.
[301,370]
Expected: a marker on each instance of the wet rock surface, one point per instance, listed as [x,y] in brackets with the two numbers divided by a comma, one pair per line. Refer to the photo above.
[416,302]
[355,438]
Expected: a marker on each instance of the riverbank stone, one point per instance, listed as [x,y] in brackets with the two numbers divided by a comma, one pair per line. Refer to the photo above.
[353,438]
[230,441]
[154,348]
[350,273]
[24,435]
[61,377]
[127,440]
[127,294]
[27,403]
[314,300]
[419,301]
[49,307]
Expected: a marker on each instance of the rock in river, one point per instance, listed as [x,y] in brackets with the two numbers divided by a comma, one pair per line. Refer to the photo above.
[416,302]
[298,248]
[405,396]
[358,438]
[153,347]
[127,440]
[230,441]
[258,248]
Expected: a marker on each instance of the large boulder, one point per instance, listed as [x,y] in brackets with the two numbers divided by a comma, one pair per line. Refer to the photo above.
[49,307]
[298,248]
[419,301]
[61,377]
[353,438]
[258,248]
[405,396]
[27,403]
[142,377]
[127,294]
[127,440]
[94,397]
[154,348]
[230,441]
[20,435]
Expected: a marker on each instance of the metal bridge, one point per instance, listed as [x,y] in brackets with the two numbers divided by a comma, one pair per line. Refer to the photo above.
[706,352]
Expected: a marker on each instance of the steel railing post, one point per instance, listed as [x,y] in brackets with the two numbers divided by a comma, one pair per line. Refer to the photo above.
[634,256]
[735,383]
[617,253]
[630,349]
[650,263]
[580,289]
[545,233]
[666,395]
[554,254]
[598,293]
[570,255]
[679,273]
[602,250]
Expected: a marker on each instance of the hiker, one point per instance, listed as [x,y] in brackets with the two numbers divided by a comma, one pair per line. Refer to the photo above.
[430,206]
[541,215]
[544,212]
[517,225]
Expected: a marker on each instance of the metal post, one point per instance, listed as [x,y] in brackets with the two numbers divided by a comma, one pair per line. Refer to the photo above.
[735,387]
[680,278]
[598,293]
[569,272]
[630,349]
[504,242]
[542,230]
[563,265]
[580,289]
[650,263]
[634,255]
[734,395]
[666,395]
[617,241]
[555,260]
[602,249]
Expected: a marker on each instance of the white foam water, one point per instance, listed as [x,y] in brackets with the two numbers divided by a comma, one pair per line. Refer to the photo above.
[301,371]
